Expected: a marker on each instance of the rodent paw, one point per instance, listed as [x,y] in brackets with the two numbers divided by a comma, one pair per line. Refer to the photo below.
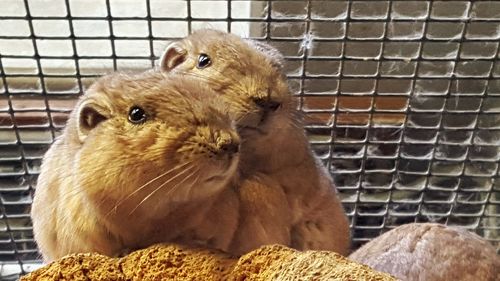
[308,235]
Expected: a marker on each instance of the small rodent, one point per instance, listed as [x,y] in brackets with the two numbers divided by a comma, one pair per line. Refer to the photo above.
[144,158]
[431,252]
[275,152]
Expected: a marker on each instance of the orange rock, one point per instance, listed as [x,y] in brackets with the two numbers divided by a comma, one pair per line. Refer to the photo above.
[168,261]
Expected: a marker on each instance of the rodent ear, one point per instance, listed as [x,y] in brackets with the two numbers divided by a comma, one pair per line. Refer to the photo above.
[174,55]
[90,115]
[269,51]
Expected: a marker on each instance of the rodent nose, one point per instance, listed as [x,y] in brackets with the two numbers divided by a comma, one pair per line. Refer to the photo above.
[230,147]
[267,104]
[228,143]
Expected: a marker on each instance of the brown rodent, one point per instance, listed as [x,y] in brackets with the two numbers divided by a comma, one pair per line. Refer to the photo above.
[144,158]
[431,252]
[248,76]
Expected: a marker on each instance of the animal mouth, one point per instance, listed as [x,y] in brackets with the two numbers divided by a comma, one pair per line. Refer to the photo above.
[254,122]
[229,170]
[215,178]
[257,129]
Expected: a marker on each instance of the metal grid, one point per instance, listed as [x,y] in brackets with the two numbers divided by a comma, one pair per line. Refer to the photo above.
[401,98]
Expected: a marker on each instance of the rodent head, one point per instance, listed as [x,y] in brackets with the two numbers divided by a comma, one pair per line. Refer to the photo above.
[247,74]
[150,141]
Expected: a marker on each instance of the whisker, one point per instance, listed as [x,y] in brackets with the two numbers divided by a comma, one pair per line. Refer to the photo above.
[144,186]
[175,187]
[153,180]
[162,185]
[192,184]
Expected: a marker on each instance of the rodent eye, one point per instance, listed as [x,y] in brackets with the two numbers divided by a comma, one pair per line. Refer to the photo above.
[204,61]
[136,115]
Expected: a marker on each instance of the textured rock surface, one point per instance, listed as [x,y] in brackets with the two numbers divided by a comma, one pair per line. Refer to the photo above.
[166,262]
[431,252]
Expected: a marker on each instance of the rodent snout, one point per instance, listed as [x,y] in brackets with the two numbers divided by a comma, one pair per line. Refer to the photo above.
[214,143]
[226,143]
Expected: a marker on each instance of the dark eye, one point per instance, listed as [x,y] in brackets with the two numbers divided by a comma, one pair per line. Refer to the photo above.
[204,61]
[136,115]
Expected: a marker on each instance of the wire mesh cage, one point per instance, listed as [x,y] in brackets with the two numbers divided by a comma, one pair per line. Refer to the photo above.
[401,98]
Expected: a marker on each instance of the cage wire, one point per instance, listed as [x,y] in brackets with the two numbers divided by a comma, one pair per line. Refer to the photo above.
[401,98]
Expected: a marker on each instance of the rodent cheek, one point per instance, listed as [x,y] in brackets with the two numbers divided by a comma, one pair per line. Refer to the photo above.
[160,145]
[195,145]
[109,168]
[99,169]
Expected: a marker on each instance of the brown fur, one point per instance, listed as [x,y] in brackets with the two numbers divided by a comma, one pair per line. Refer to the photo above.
[100,187]
[276,160]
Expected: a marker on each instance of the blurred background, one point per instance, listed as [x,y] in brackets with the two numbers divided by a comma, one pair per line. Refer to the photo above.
[401,98]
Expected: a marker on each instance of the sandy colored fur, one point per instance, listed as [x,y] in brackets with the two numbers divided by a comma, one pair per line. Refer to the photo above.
[93,192]
[275,151]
